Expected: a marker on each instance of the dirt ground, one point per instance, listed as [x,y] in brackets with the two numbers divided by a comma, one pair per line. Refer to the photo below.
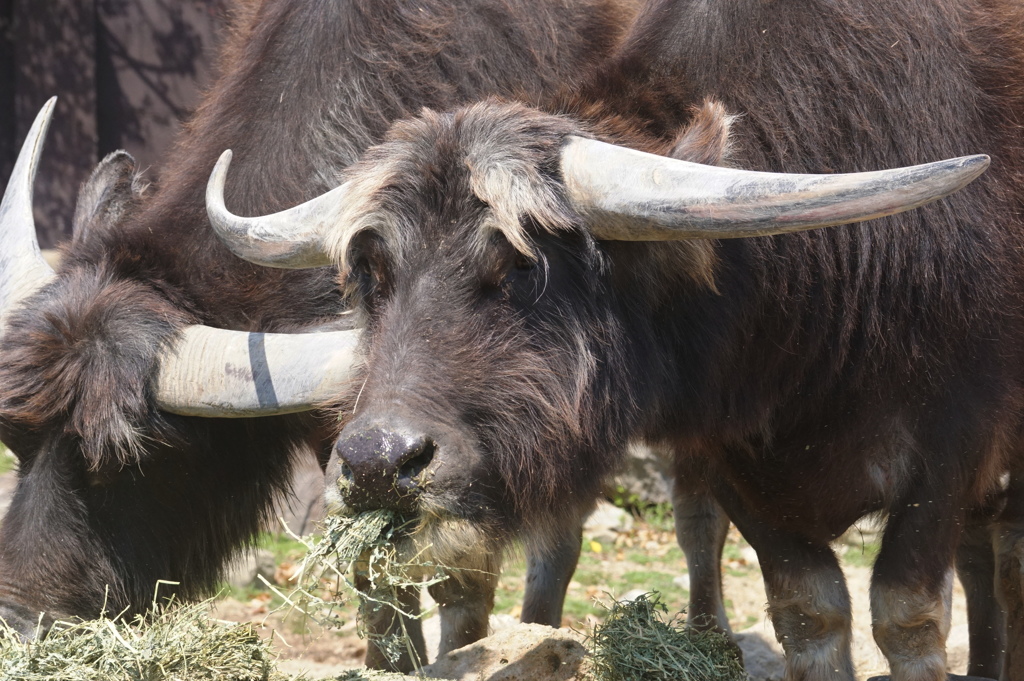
[328,653]
[641,556]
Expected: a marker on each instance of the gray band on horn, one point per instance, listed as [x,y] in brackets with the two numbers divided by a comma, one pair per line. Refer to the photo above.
[291,239]
[219,373]
[23,270]
[636,196]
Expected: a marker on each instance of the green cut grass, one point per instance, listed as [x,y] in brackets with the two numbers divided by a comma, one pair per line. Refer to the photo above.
[639,642]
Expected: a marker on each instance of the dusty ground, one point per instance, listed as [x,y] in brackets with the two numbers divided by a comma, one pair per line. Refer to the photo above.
[653,554]
[636,555]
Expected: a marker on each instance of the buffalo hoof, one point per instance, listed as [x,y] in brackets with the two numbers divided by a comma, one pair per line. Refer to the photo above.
[949,677]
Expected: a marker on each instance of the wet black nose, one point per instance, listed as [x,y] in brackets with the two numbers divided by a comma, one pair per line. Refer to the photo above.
[381,468]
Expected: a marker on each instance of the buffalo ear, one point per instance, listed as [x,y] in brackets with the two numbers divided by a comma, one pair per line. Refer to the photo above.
[108,194]
[705,139]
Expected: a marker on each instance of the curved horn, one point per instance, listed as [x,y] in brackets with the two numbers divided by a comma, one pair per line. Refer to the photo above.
[644,197]
[219,373]
[22,267]
[291,239]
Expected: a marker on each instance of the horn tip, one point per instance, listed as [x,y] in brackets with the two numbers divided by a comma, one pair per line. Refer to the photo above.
[218,178]
[975,165]
[977,159]
[46,112]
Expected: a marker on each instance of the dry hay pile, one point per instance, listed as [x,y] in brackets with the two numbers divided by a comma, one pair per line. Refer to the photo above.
[181,643]
[172,644]
[176,643]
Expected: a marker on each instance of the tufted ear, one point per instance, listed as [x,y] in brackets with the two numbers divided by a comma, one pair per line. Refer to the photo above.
[706,138]
[107,195]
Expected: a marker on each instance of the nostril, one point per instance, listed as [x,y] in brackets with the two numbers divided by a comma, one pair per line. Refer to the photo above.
[345,473]
[417,462]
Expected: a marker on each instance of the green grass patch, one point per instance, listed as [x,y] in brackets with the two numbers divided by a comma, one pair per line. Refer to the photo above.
[861,555]
[639,642]
[8,462]
[283,546]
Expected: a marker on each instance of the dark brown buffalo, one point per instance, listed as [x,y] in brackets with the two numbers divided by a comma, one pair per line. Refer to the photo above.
[535,299]
[115,494]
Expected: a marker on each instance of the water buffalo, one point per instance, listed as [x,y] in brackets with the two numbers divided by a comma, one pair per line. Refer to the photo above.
[542,284]
[121,485]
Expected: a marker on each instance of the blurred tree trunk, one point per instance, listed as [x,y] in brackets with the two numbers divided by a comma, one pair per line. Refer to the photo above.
[126,73]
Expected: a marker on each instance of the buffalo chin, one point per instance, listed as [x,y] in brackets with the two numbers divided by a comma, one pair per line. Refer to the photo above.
[454,544]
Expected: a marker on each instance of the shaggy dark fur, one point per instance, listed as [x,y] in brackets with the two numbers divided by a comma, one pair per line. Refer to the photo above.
[116,494]
[812,378]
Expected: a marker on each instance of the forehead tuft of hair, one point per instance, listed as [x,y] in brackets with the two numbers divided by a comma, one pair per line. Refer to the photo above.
[510,151]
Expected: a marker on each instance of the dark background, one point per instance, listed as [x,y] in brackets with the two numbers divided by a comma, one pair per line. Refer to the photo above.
[126,73]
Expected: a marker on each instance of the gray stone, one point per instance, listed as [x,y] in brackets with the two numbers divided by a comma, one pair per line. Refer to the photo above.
[643,477]
[247,570]
[632,595]
[526,652]
[8,483]
[762,656]
[303,508]
[432,626]
[606,522]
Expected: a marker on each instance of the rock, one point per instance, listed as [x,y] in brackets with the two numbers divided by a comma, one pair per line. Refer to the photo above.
[950,677]
[606,522]
[8,483]
[303,508]
[526,652]
[762,656]
[642,477]
[682,581]
[432,626]
[864,531]
[328,671]
[499,623]
[247,570]
[632,595]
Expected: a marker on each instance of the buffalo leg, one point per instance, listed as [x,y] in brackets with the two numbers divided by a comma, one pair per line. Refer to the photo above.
[808,602]
[911,586]
[1010,575]
[976,567]
[701,530]
[387,627]
[464,603]
[548,572]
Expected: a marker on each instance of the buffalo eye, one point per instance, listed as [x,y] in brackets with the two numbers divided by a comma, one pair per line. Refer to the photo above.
[524,263]
[369,271]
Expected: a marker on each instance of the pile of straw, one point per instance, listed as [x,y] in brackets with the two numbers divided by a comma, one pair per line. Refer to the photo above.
[172,644]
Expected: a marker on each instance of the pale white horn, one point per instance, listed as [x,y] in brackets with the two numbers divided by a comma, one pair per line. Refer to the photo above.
[23,270]
[636,196]
[291,239]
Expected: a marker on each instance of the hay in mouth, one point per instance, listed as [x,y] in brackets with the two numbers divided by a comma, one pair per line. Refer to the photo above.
[370,556]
